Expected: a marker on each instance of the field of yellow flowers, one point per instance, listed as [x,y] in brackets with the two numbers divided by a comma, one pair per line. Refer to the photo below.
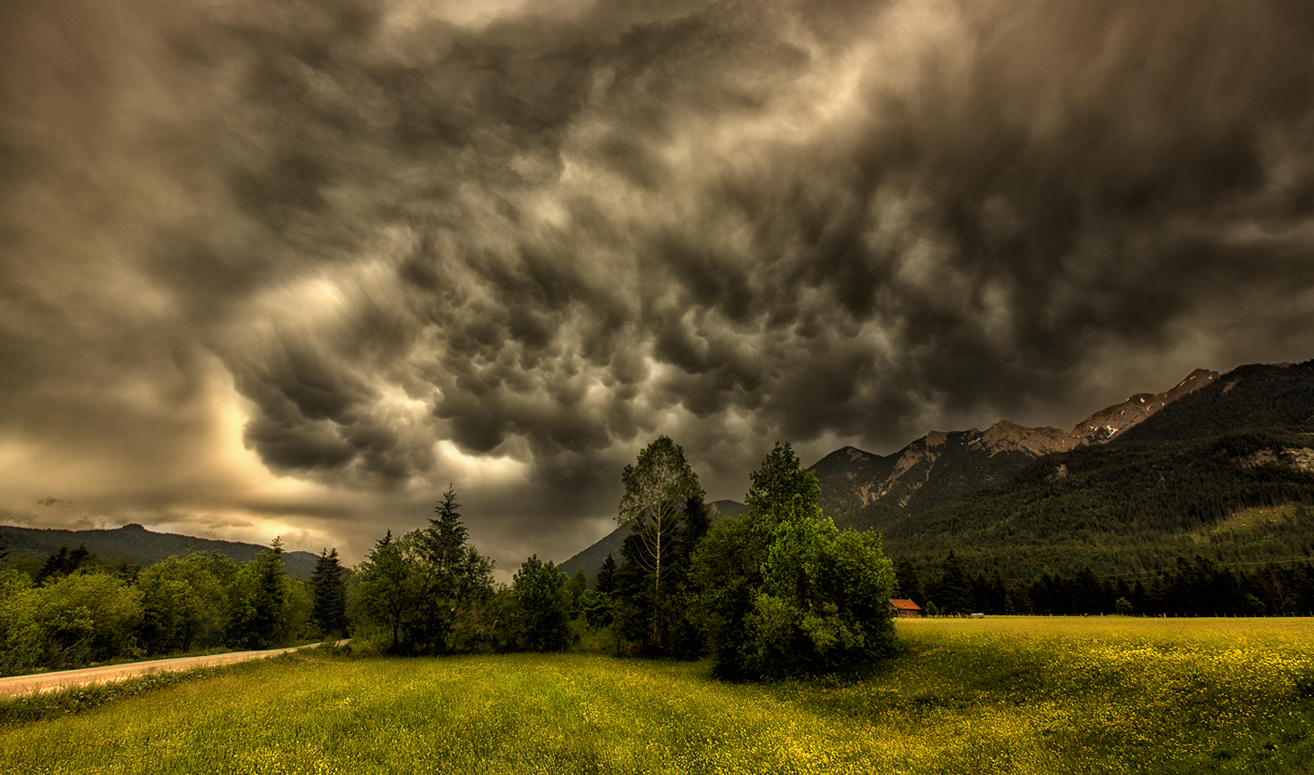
[1009,695]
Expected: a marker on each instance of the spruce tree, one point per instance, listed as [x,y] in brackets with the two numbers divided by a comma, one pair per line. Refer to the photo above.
[953,591]
[271,598]
[455,578]
[329,588]
[606,581]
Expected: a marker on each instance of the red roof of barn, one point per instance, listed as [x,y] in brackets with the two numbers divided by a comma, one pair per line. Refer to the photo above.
[905,605]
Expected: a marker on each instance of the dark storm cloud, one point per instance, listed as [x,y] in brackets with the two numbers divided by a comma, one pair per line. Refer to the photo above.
[409,242]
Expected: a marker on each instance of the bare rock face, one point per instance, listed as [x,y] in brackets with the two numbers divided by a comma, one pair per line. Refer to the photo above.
[1005,436]
[1301,459]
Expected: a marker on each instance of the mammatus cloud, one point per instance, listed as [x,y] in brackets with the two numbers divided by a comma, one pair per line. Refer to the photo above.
[297,267]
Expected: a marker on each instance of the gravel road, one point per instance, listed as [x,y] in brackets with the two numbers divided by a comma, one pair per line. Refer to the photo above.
[49,682]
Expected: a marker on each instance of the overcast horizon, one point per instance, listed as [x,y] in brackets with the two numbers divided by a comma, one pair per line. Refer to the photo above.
[292,268]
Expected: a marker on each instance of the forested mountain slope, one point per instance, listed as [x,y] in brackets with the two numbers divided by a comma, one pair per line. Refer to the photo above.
[1217,465]
[1249,397]
[1182,482]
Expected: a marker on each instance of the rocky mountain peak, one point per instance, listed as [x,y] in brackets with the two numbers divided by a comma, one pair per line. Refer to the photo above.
[1111,421]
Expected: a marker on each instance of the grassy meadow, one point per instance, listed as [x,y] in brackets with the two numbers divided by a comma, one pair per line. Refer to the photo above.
[1006,695]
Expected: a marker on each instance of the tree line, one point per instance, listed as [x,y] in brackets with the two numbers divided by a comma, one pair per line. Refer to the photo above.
[77,609]
[776,591]
[1197,586]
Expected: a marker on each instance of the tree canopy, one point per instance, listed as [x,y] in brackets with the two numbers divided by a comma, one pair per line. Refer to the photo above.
[779,480]
[542,606]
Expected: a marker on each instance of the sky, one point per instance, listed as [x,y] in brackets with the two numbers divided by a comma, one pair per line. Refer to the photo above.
[293,268]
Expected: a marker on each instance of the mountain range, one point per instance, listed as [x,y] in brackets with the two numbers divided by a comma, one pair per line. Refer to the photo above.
[861,489]
[1224,473]
[1021,500]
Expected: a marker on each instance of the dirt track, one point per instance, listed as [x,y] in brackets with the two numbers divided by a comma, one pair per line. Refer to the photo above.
[49,682]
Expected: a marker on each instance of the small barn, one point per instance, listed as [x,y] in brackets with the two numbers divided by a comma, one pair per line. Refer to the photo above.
[905,609]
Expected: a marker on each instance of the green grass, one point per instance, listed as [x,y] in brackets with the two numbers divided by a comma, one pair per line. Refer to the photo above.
[1256,519]
[968,696]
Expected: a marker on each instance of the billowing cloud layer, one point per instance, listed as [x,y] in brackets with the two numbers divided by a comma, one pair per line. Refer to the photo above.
[296,266]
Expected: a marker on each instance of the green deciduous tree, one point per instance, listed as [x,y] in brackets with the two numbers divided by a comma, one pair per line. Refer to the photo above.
[90,617]
[727,567]
[783,592]
[389,587]
[727,571]
[663,506]
[184,602]
[69,622]
[595,607]
[658,618]
[658,487]
[779,481]
[824,603]
[543,605]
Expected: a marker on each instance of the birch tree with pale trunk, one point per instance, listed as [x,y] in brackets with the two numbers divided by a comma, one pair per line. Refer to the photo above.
[658,487]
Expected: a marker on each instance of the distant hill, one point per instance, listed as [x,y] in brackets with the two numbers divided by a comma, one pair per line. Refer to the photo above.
[145,546]
[591,558]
